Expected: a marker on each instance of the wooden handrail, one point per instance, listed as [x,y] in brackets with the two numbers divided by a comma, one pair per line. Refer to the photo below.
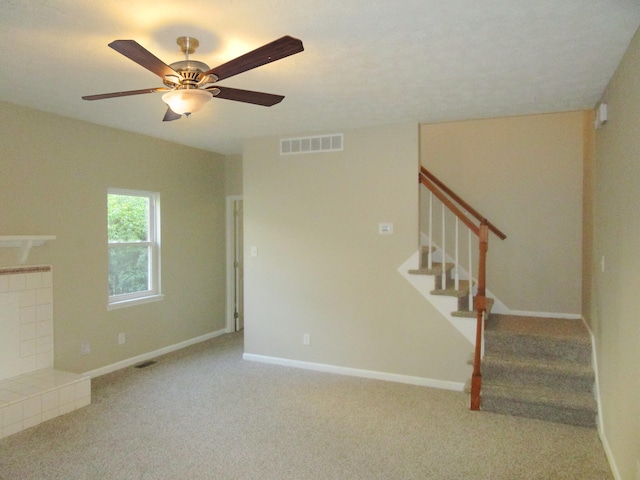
[461,202]
[450,205]
[454,203]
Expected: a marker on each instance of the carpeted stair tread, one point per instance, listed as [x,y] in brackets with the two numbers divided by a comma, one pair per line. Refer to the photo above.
[540,403]
[464,314]
[538,348]
[538,338]
[533,364]
[473,313]
[526,325]
[540,395]
[436,269]
[562,375]
[451,291]
[550,396]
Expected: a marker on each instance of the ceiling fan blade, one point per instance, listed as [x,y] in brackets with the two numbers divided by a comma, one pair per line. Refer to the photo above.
[171,115]
[281,48]
[136,52]
[247,96]
[124,94]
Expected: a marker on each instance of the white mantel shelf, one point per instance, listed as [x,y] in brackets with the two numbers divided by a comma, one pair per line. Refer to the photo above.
[24,243]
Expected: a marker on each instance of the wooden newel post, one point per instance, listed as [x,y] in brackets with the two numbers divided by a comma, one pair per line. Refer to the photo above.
[468,216]
[480,306]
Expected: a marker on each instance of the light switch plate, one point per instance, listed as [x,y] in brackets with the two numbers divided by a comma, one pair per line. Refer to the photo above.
[385,229]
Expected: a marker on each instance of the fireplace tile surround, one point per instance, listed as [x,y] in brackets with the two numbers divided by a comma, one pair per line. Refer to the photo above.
[31,390]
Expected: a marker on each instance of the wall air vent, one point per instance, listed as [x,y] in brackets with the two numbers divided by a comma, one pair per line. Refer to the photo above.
[314,144]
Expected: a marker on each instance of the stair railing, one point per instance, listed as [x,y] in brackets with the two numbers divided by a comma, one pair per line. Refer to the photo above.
[480,227]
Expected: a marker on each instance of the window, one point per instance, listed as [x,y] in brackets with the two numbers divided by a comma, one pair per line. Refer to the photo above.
[134,247]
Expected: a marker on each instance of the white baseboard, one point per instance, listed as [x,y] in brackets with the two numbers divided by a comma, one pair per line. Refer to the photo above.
[599,419]
[523,313]
[607,449]
[356,372]
[156,353]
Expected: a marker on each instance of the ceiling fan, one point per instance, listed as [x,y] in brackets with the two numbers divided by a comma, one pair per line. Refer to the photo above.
[189,84]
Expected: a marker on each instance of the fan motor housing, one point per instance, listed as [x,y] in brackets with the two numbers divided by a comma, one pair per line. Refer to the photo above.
[189,70]
[190,73]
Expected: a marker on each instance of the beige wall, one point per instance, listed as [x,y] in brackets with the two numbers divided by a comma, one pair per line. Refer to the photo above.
[615,301]
[54,178]
[525,175]
[233,175]
[323,269]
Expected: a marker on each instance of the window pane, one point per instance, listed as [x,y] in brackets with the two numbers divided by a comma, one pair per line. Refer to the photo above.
[133,226]
[128,269]
[128,218]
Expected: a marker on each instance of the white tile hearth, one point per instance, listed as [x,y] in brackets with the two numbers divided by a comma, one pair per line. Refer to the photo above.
[31,391]
[30,399]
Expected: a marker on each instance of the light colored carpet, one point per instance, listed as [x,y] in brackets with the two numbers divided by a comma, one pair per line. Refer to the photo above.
[204,413]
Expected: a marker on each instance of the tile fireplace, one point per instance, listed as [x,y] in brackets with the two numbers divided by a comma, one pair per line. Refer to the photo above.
[31,390]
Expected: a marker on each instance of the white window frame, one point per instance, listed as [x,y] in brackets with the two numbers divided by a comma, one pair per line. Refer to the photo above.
[154,293]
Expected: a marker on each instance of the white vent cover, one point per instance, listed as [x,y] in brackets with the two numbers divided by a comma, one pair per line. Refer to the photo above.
[315,144]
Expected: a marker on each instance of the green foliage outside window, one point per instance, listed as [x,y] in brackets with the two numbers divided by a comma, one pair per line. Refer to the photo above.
[128,222]
[128,218]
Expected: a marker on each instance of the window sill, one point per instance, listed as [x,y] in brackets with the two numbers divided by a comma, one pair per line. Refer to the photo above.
[134,301]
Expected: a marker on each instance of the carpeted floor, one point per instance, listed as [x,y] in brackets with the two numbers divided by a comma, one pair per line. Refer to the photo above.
[204,413]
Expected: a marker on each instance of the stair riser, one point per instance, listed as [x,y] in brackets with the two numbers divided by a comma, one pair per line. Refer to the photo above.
[540,348]
[424,256]
[463,303]
[582,418]
[440,284]
[535,377]
[424,259]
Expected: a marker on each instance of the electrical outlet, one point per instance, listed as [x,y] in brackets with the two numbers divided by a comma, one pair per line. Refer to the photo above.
[85,348]
[120,338]
[306,339]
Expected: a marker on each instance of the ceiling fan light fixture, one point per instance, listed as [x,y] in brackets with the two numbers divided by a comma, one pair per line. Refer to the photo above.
[189,83]
[186,101]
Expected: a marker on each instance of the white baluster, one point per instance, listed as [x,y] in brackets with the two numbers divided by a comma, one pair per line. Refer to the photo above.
[430,263]
[470,273]
[457,274]
[444,249]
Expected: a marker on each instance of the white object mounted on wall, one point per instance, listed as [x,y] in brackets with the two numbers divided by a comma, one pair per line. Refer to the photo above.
[385,228]
[601,115]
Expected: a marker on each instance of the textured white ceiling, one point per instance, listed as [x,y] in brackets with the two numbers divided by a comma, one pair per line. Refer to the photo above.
[365,63]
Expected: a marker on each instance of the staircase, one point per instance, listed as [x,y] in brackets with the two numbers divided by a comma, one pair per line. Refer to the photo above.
[526,366]
[532,367]
[539,368]
[444,284]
